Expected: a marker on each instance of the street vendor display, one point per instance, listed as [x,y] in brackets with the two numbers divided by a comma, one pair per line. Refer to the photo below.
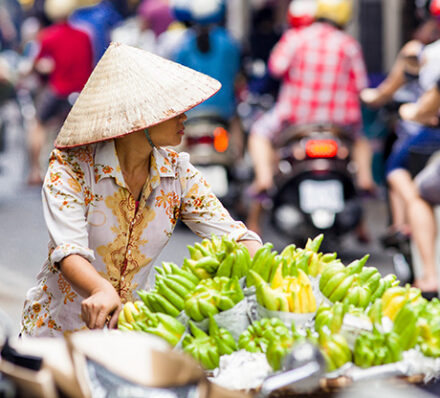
[112,197]
[358,318]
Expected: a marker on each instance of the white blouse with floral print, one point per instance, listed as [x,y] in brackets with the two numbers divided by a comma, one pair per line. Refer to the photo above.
[89,211]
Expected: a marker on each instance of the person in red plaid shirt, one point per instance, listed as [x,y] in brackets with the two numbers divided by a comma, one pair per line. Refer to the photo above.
[323,72]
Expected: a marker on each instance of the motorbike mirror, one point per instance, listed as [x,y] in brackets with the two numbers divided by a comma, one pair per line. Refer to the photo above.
[303,367]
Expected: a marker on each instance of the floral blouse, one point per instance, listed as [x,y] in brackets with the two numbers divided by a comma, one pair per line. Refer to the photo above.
[90,212]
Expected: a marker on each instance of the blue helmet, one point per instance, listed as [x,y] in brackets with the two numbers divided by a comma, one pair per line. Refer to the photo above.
[181,10]
[206,12]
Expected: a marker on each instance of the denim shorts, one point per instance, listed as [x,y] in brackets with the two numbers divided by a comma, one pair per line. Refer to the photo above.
[412,137]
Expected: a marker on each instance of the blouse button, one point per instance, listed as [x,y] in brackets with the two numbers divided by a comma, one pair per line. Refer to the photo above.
[122,278]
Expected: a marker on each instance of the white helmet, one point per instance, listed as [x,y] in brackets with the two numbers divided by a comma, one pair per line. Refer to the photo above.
[301,12]
[207,11]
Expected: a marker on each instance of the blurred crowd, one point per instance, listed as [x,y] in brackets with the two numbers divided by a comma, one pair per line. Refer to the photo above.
[50,47]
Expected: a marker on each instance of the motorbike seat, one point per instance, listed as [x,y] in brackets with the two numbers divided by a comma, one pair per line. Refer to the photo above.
[298,132]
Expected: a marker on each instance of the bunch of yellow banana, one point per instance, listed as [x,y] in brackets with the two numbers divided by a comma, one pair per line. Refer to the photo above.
[395,298]
[288,294]
[308,259]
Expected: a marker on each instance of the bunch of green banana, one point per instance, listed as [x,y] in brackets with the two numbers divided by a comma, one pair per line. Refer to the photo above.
[279,346]
[136,316]
[331,317]
[406,326]
[236,263]
[207,348]
[335,350]
[336,280]
[396,297]
[375,348]
[218,257]
[212,296]
[429,338]
[258,335]
[294,294]
[355,284]
[262,263]
[375,312]
[172,286]
[308,259]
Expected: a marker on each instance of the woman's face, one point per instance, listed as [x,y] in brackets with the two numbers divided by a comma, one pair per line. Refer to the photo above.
[168,133]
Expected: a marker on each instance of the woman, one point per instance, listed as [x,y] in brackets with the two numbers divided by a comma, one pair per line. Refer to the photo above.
[112,195]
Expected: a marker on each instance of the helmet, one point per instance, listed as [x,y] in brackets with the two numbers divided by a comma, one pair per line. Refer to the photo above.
[59,9]
[434,8]
[207,11]
[301,13]
[338,11]
[181,10]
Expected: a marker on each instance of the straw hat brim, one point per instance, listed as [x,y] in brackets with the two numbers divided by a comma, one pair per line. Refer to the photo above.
[130,90]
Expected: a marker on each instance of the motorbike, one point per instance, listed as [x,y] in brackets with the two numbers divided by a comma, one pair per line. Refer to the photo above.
[209,144]
[315,191]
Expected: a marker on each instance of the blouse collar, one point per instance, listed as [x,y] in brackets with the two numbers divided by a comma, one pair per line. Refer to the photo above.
[107,164]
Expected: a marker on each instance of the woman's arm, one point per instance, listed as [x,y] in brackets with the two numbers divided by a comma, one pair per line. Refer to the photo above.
[101,299]
[425,110]
[251,245]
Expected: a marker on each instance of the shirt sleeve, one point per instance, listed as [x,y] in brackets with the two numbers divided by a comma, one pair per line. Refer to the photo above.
[202,211]
[281,55]
[64,210]
[358,68]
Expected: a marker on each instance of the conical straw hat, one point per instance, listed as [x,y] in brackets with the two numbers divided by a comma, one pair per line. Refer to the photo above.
[131,89]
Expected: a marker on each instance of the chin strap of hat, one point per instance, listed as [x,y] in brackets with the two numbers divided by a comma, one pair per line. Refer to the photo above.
[150,141]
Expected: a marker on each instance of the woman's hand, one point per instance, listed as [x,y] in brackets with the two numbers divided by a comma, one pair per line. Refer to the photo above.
[103,302]
[100,298]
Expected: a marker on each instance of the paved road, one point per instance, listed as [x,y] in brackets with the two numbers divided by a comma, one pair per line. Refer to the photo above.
[24,238]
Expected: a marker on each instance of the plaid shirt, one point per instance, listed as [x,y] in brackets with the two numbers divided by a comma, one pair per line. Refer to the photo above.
[323,71]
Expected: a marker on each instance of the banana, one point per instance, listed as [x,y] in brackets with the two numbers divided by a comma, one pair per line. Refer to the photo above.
[373,282]
[167,307]
[364,296]
[225,268]
[333,283]
[342,289]
[353,296]
[328,273]
[176,287]
[393,306]
[207,308]
[186,283]
[170,295]
[130,312]
[367,273]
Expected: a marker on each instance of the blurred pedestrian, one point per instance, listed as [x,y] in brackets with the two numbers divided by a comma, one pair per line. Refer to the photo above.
[415,71]
[209,48]
[323,72]
[98,21]
[11,17]
[169,42]
[423,193]
[143,29]
[65,56]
